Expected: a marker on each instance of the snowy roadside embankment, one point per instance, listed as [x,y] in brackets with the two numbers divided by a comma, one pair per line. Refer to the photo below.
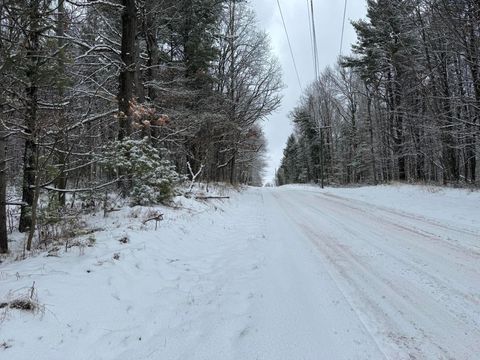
[388,272]
[459,207]
[156,294]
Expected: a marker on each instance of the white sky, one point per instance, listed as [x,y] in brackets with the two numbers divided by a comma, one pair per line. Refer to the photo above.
[328,22]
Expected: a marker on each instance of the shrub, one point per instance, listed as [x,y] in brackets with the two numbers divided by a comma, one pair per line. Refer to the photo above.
[153,177]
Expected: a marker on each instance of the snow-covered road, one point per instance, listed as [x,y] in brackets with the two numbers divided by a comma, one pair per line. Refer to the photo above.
[350,280]
[291,273]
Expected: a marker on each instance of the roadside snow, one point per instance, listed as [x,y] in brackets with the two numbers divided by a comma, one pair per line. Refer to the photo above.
[388,272]
[455,206]
[158,300]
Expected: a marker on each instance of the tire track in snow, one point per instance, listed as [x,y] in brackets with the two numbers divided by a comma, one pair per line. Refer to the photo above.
[368,329]
[409,258]
[397,213]
[357,272]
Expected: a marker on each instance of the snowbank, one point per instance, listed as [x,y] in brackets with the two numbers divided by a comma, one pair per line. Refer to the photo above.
[459,207]
[138,293]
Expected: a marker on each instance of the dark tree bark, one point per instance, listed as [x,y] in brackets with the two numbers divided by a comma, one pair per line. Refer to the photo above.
[127,74]
[473,58]
[62,158]
[31,92]
[371,137]
[3,193]
[152,50]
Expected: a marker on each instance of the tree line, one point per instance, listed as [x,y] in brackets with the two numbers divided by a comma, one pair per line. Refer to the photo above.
[404,106]
[132,95]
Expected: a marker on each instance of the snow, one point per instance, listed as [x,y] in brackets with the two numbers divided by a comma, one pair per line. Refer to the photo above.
[455,206]
[388,272]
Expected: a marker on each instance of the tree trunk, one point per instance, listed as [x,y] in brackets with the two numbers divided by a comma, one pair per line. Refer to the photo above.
[370,130]
[452,172]
[474,64]
[29,169]
[232,92]
[127,74]
[3,195]
[36,195]
[152,51]
[62,158]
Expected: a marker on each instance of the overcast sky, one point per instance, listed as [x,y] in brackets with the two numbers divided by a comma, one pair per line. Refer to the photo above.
[328,22]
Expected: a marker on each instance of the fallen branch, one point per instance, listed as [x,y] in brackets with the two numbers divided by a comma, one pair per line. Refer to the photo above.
[156,218]
[112,210]
[211,197]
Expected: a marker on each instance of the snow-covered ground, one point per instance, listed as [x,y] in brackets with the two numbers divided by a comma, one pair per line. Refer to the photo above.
[388,272]
[458,206]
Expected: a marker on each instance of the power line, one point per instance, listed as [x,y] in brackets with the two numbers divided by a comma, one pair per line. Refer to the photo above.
[289,45]
[310,29]
[343,26]
[314,39]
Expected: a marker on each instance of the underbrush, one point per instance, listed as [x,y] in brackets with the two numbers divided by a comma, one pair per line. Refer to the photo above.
[61,228]
[21,300]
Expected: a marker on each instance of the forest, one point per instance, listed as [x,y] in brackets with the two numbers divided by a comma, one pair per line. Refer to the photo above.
[131,96]
[404,106]
[137,219]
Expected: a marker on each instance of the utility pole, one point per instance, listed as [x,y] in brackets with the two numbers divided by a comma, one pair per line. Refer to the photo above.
[322,175]
[315,60]
[320,133]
